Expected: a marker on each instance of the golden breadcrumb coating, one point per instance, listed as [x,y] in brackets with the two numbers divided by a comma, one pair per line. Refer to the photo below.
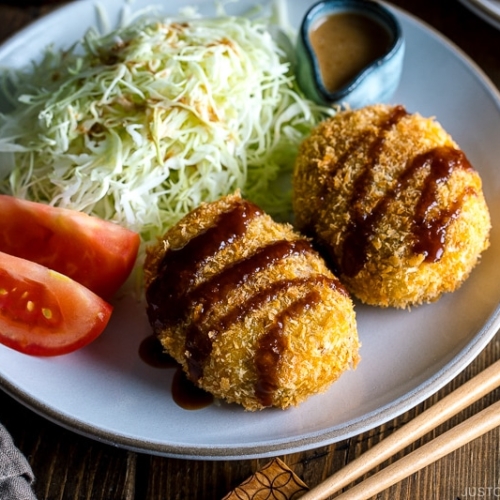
[394,201]
[248,308]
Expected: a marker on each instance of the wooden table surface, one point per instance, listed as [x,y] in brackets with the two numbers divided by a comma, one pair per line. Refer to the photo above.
[69,466]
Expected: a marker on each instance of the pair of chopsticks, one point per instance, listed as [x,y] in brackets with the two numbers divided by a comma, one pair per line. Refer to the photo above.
[470,429]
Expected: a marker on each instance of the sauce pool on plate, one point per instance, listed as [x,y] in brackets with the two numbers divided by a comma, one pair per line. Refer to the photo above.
[345,43]
[184,393]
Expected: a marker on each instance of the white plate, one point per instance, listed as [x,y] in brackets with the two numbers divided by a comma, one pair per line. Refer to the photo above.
[488,10]
[106,392]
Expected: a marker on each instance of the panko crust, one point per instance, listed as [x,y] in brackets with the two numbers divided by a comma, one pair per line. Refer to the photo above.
[318,338]
[351,167]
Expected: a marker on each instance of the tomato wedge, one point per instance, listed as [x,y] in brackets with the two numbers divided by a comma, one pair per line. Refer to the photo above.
[98,254]
[45,313]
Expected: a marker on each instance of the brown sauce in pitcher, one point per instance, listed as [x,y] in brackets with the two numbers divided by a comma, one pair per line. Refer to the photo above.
[346,43]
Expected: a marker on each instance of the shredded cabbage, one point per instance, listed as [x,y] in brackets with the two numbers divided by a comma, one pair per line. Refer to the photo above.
[141,125]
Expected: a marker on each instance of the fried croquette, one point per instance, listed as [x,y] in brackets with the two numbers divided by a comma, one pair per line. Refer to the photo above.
[248,308]
[394,202]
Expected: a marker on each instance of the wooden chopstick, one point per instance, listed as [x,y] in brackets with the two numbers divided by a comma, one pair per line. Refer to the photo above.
[465,395]
[451,440]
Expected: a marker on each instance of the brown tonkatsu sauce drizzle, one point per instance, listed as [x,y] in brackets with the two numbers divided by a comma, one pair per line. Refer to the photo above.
[271,293]
[215,290]
[187,395]
[151,352]
[184,393]
[356,238]
[375,148]
[179,268]
[199,344]
[428,235]
[272,344]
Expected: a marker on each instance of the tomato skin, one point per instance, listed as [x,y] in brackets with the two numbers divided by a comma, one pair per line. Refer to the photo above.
[98,254]
[45,313]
